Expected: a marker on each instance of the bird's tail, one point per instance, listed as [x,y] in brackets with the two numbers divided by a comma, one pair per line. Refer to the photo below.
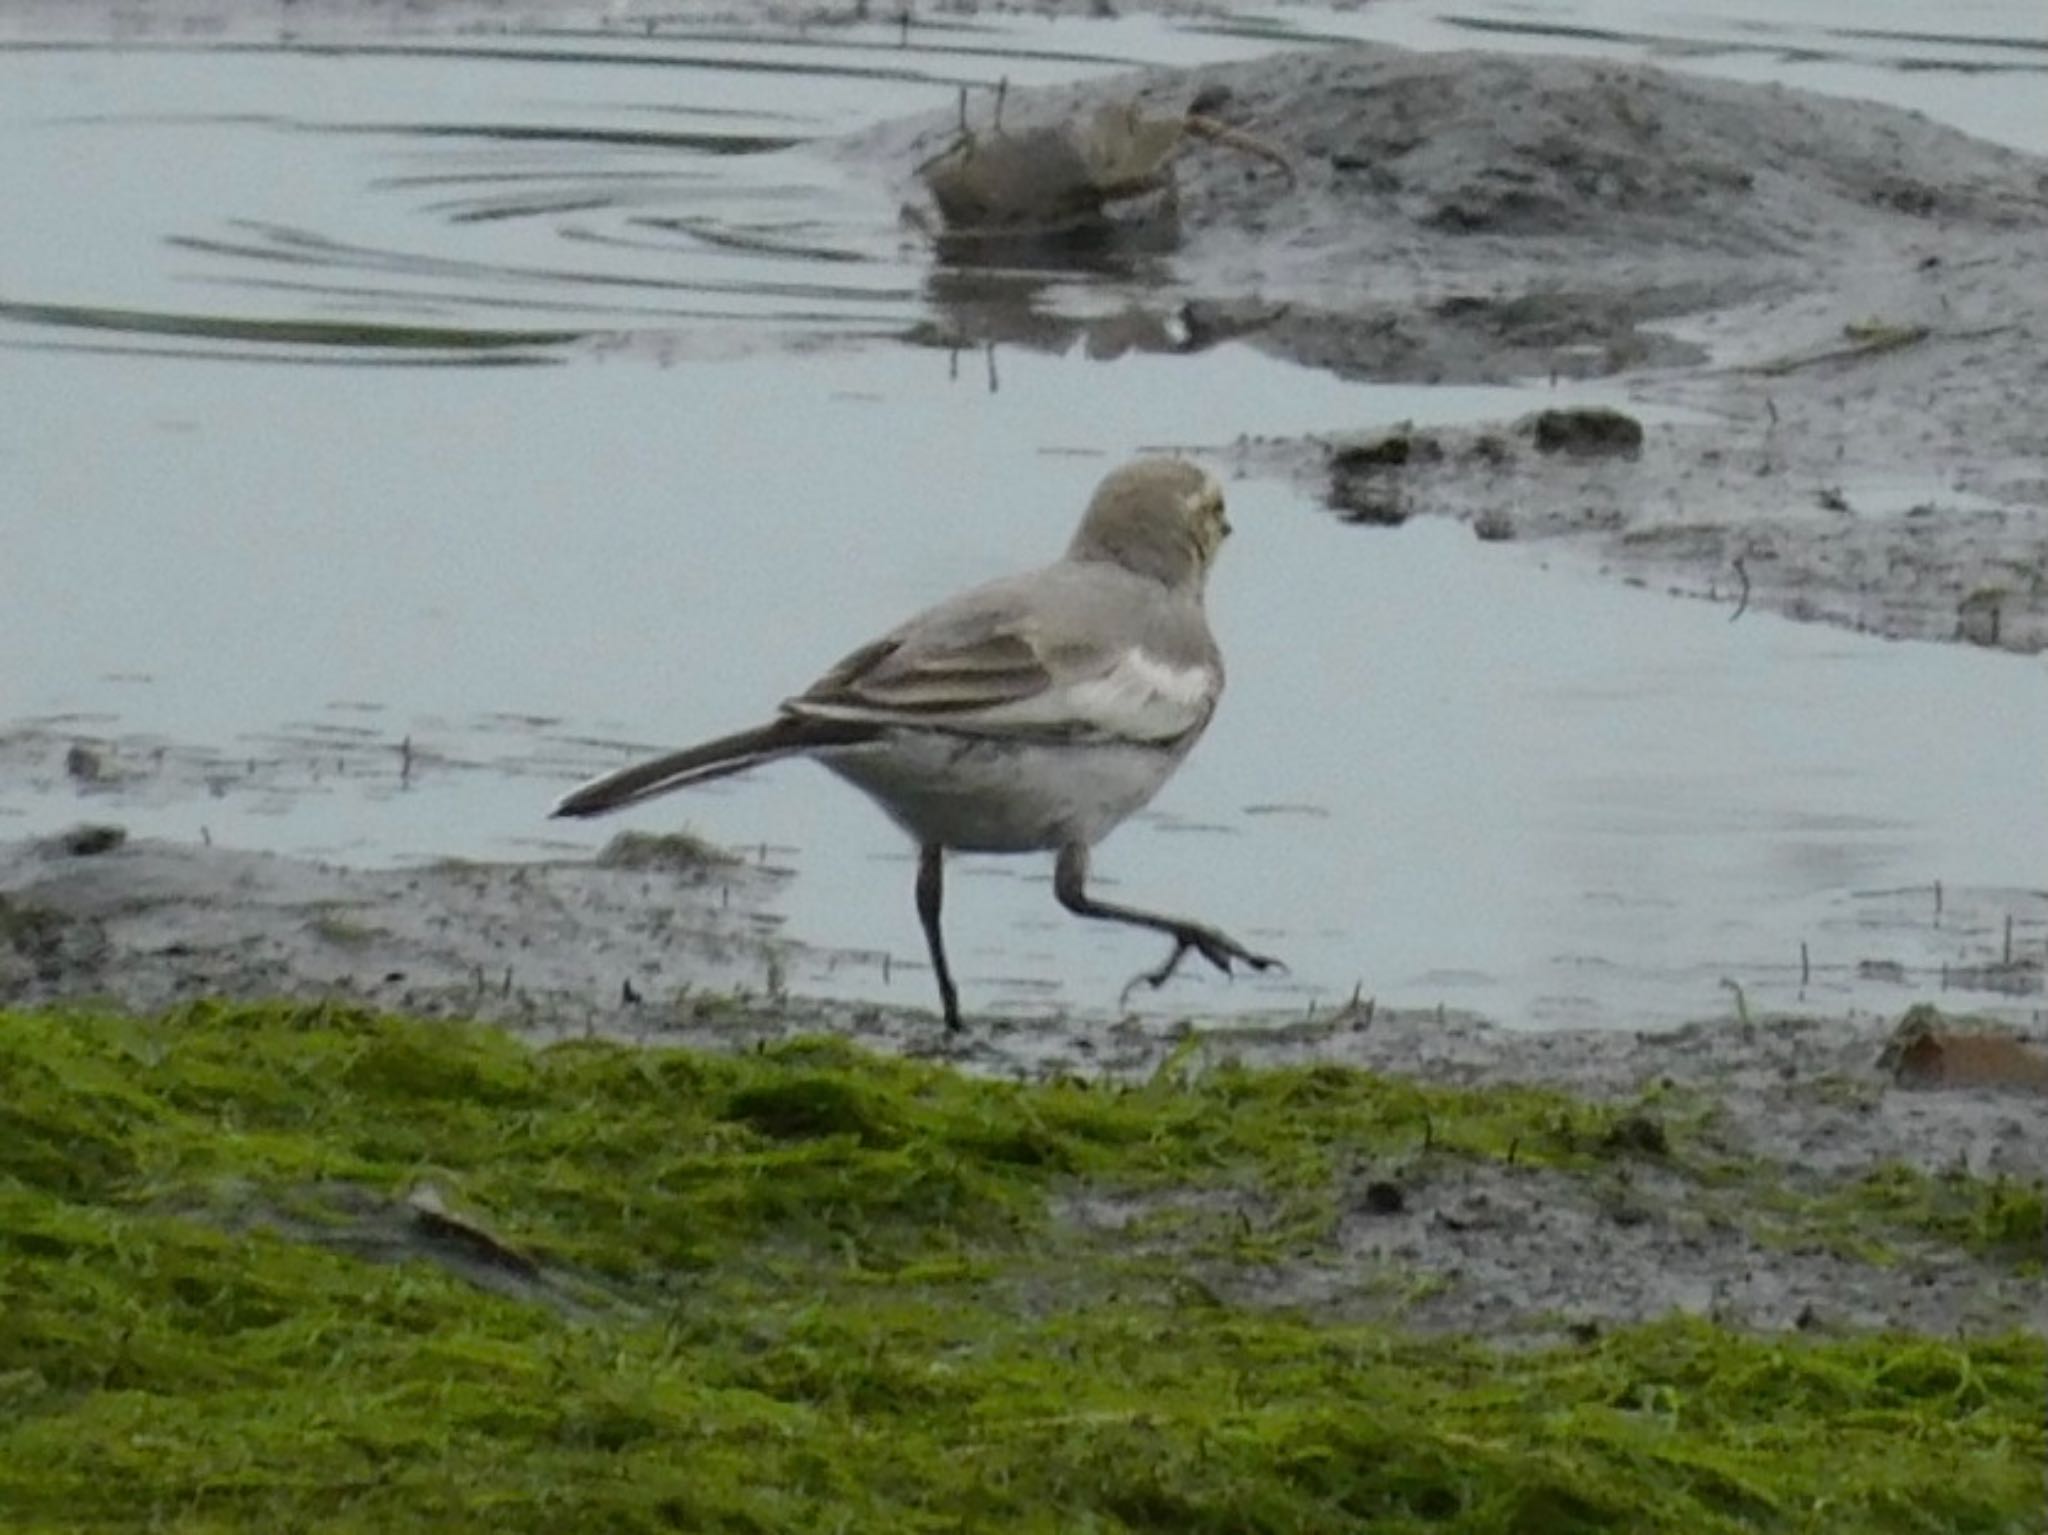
[702,763]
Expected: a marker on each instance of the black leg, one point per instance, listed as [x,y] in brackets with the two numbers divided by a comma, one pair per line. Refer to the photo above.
[1070,885]
[931,892]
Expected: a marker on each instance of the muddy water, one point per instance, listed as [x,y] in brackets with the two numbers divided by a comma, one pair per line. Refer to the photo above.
[393,434]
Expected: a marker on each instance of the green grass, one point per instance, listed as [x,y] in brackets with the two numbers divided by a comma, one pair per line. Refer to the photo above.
[812,1289]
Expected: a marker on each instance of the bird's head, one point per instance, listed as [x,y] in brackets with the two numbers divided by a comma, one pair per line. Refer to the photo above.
[1159,517]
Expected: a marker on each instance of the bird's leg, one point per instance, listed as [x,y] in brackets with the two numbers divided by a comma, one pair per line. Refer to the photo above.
[1070,886]
[931,890]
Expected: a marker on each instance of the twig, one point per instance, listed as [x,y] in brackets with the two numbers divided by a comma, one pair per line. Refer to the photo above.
[1222,133]
[1741,1001]
[1742,604]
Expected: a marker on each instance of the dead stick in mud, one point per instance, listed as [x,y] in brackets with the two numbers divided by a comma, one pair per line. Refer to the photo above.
[1742,603]
[434,1220]
[1867,341]
[1741,1001]
[1875,346]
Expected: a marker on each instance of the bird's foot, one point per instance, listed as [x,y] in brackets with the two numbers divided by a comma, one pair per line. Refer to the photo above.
[1214,945]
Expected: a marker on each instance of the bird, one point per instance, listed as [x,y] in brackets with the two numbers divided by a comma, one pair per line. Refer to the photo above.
[1031,714]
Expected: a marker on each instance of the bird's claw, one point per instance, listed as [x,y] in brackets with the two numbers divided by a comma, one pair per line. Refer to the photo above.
[1219,949]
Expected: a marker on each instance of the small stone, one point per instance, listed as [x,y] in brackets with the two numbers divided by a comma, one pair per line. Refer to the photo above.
[1384,1198]
[1589,432]
[85,840]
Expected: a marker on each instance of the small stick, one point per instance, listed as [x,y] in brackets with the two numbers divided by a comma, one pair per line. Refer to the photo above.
[1222,133]
[1742,604]
[1805,966]
[1741,1001]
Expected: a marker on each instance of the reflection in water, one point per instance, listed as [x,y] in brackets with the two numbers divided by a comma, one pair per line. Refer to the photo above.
[972,306]
[519,133]
[338,333]
[368,226]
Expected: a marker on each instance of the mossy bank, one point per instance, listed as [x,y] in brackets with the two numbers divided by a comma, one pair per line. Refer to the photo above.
[299,1268]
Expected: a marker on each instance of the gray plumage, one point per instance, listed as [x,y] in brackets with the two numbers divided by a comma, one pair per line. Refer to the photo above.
[1033,713]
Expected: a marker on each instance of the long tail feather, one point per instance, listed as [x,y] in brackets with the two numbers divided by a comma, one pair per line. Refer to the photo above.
[702,763]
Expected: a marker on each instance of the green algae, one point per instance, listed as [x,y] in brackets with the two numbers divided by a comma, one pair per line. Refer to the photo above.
[824,1290]
[677,851]
[1991,1217]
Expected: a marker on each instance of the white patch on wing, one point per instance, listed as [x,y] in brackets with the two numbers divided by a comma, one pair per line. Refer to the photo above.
[1140,698]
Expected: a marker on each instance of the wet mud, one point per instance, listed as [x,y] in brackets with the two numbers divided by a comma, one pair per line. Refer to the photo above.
[1827,315]
[1795,1132]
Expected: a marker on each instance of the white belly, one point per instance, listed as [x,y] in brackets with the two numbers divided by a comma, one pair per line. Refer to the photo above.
[992,796]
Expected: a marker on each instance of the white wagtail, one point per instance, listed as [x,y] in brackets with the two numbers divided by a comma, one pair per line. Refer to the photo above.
[1031,714]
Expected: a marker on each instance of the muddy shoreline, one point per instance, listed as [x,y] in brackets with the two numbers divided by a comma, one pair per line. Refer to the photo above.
[1827,316]
[1827,319]
[666,950]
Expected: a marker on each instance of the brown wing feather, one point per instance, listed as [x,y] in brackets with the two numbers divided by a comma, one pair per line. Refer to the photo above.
[994,668]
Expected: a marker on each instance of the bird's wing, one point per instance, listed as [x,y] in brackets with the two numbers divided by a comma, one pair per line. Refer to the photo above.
[995,668]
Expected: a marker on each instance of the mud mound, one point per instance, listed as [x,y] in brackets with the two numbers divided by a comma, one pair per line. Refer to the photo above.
[1836,308]
[1619,156]
[1423,175]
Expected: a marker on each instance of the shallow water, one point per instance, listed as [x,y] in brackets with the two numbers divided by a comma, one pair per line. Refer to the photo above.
[522,400]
